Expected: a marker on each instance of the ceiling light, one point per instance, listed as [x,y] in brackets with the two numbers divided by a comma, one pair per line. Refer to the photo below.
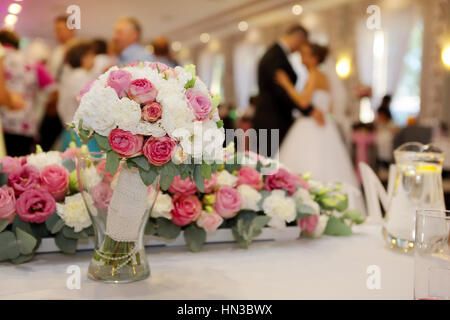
[297,9]
[14,8]
[176,46]
[243,26]
[10,19]
[205,37]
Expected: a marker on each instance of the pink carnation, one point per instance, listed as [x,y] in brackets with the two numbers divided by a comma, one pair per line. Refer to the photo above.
[228,202]
[209,221]
[55,179]
[142,91]
[250,177]
[27,177]
[200,104]
[125,143]
[281,179]
[186,209]
[120,81]
[35,205]
[183,187]
[159,151]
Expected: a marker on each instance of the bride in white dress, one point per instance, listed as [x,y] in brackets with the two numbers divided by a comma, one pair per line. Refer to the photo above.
[311,146]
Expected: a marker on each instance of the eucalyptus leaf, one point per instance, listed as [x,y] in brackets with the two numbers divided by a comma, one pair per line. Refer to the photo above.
[69,164]
[9,248]
[195,237]
[102,142]
[23,258]
[206,171]
[54,223]
[337,227]
[141,162]
[19,223]
[151,228]
[68,232]
[168,173]
[148,177]
[112,162]
[26,241]
[198,178]
[3,179]
[3,224]
[66,245]
[167,229]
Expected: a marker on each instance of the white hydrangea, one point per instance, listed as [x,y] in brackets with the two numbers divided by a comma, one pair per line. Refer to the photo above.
[127,113]
[304,196]
[280,208]
[250,197]
[163,206]
[97,110]
[41,160]
[74,212]
[224,178]
[146,128]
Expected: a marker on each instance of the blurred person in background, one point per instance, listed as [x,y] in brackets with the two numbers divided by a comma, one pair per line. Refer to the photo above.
[79,72]
[103,60]
[161,51]
[413,132]
[126,38]
[51,126]
[25,78]
[386,129]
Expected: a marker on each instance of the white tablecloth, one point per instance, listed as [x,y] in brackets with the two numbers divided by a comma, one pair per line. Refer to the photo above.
[325,268]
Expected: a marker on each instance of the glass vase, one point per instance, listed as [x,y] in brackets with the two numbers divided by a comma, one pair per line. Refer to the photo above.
[119,207]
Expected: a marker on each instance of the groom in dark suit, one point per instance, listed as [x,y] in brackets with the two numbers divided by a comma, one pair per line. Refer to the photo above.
[274,106]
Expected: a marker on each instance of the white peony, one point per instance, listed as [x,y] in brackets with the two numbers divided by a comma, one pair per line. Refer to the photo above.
[74,212]
[127,113]
[97,110]
[224,178]
[280,208]
[163,206]
[304,196]
[250,197]
[41,160]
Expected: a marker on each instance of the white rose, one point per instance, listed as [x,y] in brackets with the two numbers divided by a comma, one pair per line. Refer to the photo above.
[74,212]
[41,160]
[163,206]
[280,208]
[250,197]
[224,178]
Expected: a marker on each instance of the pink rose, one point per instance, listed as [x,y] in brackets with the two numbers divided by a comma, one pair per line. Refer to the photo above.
[309,224]
[7,203]
[85,90]
[159,150]
[125,143]
[120,81]
[10,164]
[200,104]
[161,67]
[142,91]
[209,184]
[209,221]
[250,177]
[281,179]
[55,179]
[152,112]
[186,209]
[27,177]
[183,187]
[101,195]
[228,202]
[35,205]
[302,182]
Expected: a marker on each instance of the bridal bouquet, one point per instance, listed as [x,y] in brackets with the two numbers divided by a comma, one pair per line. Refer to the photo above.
[39,198]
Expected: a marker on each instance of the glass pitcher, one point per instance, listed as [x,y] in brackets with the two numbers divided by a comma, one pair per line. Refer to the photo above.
[418,184]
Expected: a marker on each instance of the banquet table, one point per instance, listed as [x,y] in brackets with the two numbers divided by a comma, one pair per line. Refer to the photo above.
[324,268]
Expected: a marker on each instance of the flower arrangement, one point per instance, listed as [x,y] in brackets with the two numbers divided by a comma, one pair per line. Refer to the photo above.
[40,198]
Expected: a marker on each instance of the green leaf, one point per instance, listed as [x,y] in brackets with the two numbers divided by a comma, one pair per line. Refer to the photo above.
[259,222]
[354,216]
[3,224]
[68,232]
[219,124]
[23,258]
[206,171]
[26,241]
[112,162]
[54,223]
[66,245]
[9,248]
[3,179]
[168,173]
[190,83]
[328,203]
[337,227]
[19,223]
[69,164]
[151,228]
[195,237]
[342,205]
[148,176]
[198,178]
[141,162]
[167,229]
[304,209]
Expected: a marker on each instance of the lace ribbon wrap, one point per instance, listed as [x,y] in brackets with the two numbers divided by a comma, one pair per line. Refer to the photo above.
[128,206]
